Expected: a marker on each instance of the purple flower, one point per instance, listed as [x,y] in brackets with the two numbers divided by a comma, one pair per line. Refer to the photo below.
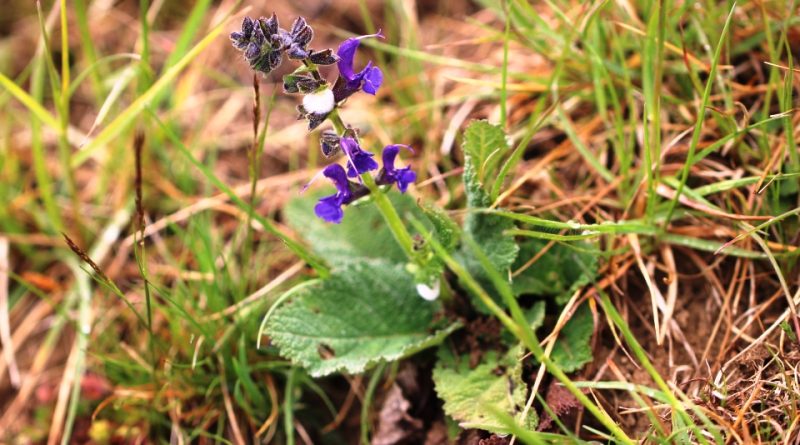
[349,82]
[358,160]
[391,175]
[329,208]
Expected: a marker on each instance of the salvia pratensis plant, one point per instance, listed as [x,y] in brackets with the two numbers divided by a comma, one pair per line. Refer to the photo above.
[264,43]
[365,311]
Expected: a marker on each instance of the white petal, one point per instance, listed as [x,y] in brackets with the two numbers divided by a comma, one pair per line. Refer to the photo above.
[427,292]
[321,102]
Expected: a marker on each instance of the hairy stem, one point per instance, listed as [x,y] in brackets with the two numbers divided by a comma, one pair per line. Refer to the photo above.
[383,203]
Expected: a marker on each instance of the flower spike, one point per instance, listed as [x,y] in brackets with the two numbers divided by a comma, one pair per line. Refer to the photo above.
[263,43]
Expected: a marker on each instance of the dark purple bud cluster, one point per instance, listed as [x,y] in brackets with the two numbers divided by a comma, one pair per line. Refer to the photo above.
[263,42]
[301,36]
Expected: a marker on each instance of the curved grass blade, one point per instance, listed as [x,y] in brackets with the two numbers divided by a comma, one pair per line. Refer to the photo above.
[121,122]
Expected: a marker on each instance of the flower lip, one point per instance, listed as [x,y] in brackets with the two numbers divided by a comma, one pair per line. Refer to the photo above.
[336,174]
[369,79]
[329,208]
[403,177]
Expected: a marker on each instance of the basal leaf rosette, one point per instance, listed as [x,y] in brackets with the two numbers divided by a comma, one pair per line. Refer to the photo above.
[366,312]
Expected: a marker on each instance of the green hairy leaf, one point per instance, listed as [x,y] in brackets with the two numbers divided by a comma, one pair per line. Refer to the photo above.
[472,396]
[559,272]
[368,311]
[446,230]
[487,230]
[573,347]
[486,145]
[362,234]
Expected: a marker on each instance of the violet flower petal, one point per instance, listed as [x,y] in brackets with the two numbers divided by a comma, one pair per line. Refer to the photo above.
[359,161]
[389,154]
[405,176]
[329,209]
[373,78]
[347,53]
[336,174]
[391,175]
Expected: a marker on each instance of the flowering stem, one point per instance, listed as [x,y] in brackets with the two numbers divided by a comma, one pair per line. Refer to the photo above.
[391,217]
[312,67]
[383,203]
[337,122]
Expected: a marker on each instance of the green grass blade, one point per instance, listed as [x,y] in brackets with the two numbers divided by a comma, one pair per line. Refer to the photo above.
[190,28]
[698,127]
[595,163]
[304,254]
[126,117]
[83,328]
[29,102]
[641,356]
[517,324]
[87,48]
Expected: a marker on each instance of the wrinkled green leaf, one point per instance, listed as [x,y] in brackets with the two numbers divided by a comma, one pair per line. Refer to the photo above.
[445,229]
[486,145]
[558,273]
[368,311]
[468,393]
[429,267]
[480,140]
[362,234]
[487,230]
[573,347]
[535,317]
